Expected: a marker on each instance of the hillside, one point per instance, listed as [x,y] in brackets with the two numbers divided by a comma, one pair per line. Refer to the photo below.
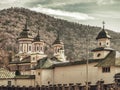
[12,21]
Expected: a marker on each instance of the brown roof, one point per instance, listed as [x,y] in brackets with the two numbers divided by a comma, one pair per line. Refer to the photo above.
[37,38]
[102,48]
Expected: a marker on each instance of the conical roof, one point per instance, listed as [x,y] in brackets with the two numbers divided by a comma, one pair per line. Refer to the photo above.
[57,41]
[25,33]
[37,38]
[103,34]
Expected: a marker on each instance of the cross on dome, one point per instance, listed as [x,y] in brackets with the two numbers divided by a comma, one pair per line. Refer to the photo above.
[103,24]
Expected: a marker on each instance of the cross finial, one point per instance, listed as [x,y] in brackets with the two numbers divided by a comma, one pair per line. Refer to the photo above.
[103,24]
[26,25]
[38,33]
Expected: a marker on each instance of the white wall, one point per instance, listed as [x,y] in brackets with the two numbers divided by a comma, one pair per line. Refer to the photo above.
[108,77]
[43,76]
[103,54]
[75,74]
[104,42]
[47,76]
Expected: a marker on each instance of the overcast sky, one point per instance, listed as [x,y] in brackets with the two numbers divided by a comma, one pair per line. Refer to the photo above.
[90,12]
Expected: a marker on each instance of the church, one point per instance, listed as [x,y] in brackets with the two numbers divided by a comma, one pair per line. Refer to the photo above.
[34,67]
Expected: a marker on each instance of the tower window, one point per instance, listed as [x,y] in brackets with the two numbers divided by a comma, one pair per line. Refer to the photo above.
[33,58]
[37,48]
[100,43]
[29,48]
[98,55]
[107,43]
[41,48]
[105,69]
[38,73]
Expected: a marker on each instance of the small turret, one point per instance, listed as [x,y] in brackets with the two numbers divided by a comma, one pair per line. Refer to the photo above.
[25,40]
[38,44]
[103,48]
[103,38]
[58,47]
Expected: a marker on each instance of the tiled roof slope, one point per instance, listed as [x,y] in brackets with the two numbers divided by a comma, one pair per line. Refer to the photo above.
[5,74]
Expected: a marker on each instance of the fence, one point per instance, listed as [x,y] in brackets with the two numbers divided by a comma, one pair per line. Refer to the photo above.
[61,87]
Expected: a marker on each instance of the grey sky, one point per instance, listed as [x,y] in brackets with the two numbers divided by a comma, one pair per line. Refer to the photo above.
[91,12]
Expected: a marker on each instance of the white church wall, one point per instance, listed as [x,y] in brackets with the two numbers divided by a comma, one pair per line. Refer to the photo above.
[108,77]
[117,69]
[104,42]
[75,74]
[47,76]
[103,54]
[38,77]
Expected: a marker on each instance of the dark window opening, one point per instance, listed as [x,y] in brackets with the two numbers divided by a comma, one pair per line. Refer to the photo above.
[29,48]
[37,48]
[38,73]
[107,43]
[98,55]
[9,83]
[105,69]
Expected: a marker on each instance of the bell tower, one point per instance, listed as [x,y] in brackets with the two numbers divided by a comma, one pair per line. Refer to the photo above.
[103,38]
[103,44]
[58,47]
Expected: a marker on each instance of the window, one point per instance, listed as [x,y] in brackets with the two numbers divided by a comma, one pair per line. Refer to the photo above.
[41,48]
[98,55]
[9,83]
[37,48]
[105,69]
[33,58]
[100,43]
[38,73]
[107,43]
[29,48]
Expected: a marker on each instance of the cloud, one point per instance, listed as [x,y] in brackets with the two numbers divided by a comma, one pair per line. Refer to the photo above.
[105,2]
[73,15]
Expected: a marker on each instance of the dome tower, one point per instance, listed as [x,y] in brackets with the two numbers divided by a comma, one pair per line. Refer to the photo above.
[103,41]
[58,47]
[25,40]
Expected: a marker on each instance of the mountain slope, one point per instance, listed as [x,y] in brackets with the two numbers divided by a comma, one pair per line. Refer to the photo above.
[12,22]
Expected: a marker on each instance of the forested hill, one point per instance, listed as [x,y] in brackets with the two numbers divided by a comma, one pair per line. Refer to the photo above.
[12,22]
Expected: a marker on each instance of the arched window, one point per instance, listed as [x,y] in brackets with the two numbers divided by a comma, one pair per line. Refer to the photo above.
[37,48]
[29,48]
[41,48]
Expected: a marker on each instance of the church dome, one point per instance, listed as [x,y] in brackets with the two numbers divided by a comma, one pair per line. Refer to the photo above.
[25,33]
[103,33]
[57,41]
[37,38]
